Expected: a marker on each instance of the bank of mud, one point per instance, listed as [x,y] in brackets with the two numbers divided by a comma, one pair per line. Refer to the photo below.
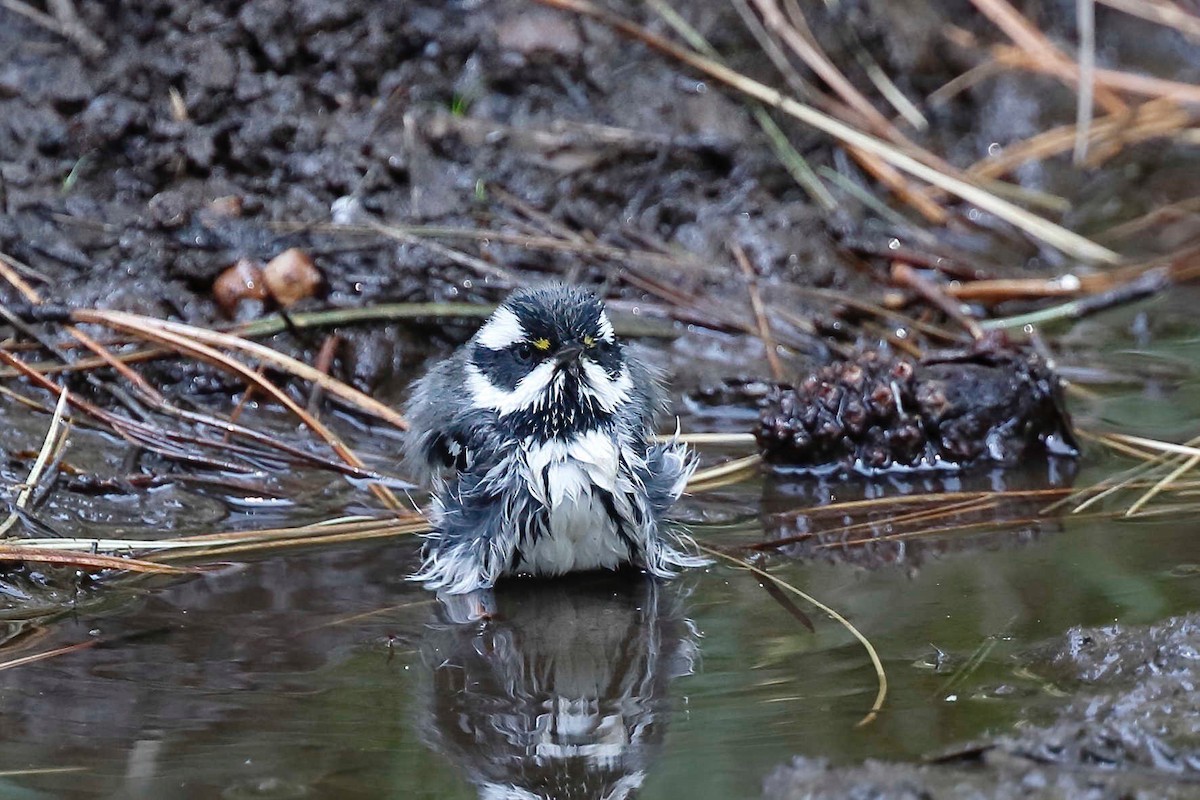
[205,133]
[1131,729]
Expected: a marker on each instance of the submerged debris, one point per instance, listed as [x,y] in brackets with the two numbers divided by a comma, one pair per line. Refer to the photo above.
[880,413]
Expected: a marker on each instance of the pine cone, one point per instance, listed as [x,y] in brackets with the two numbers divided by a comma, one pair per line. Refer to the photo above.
[880,412]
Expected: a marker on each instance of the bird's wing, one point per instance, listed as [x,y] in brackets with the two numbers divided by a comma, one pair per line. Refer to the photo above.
[446,433]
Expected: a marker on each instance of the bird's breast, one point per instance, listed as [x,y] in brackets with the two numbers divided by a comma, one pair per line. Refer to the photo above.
[588,501]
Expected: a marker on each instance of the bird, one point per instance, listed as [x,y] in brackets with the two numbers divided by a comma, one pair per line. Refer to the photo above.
[537,438]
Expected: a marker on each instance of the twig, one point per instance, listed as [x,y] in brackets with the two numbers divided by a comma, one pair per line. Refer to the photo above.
[905,276]
[760,313]
[1146,285]
[324,363]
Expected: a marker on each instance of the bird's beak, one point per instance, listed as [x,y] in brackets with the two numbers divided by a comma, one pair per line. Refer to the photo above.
[568,354]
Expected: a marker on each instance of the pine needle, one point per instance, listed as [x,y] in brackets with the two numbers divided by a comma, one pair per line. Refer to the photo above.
[880,675]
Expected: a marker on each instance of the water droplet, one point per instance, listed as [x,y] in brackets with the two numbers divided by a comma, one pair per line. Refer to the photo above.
[994,149]
[467,283]
[893,244]
[974,215]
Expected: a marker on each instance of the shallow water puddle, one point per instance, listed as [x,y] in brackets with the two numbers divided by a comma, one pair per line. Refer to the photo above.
[324,674]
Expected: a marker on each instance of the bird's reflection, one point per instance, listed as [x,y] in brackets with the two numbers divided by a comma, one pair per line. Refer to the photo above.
[562,692]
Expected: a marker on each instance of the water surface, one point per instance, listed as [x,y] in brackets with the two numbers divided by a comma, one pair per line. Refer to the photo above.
[325,674]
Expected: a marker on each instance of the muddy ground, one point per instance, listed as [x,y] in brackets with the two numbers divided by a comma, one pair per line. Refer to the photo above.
[209,132]
[134,171]
[1131,730]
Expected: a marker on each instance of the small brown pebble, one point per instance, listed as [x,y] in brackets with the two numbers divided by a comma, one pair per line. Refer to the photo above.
[291,277]
[229,205]
[242,281]
[539,31]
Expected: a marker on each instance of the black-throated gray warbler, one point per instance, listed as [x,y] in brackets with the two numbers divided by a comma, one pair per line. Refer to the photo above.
[536,434]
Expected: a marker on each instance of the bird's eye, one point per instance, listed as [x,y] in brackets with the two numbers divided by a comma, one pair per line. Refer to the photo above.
[524,352]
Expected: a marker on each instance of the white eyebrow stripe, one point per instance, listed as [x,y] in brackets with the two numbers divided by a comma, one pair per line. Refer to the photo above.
[501,331]
[606,329]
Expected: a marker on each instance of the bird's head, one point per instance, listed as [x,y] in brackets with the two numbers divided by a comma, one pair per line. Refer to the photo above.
[551,356]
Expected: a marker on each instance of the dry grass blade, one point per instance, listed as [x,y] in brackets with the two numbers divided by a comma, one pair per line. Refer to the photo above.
[18,773]
[760,311]
[210,547]
[881,676]
[52,447]
[1106,79]
[46,655]
[1105,137]
[1155,444]
[88,560]
[1085,12]
[375,612]
[178,333]
[1067,241]
[1188,464]
[735,471]
[1163,12]
[711,439]
[191,340]
[793,162]
[810,52]
[1033,42]
[214,545]
[1169,460]
[66,25]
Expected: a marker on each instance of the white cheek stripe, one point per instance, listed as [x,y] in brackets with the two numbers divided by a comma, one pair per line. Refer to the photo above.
[606,329]
[501,331]
[529,392]
[608,392]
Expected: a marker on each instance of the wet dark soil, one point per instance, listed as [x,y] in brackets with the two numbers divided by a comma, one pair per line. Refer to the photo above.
[211,132]
[1132,729]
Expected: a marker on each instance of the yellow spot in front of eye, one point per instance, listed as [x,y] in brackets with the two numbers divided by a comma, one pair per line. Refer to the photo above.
[588,341]
[542,344]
